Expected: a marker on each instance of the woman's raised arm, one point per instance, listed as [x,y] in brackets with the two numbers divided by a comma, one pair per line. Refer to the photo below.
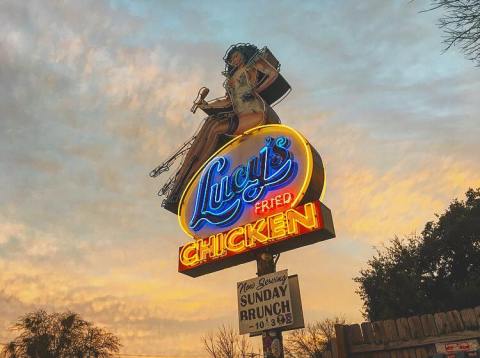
[270,73]
[220,102]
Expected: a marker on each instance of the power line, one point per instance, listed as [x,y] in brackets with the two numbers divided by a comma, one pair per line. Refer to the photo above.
[140,355]
[153,355]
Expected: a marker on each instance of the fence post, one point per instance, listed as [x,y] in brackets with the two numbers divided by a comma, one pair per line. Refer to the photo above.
[341,341]
[334,348]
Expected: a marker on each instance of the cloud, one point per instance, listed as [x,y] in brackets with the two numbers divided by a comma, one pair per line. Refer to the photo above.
[93,95]
[379,188]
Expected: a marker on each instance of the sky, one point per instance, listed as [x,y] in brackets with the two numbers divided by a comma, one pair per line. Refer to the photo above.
[94,94]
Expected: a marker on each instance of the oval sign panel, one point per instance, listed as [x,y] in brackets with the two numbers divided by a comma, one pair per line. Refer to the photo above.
[266,170]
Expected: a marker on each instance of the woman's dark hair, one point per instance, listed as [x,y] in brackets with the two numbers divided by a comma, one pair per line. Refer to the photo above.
[247,50]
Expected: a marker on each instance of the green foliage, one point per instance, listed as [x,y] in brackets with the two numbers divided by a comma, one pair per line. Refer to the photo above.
[59,335]
[438,270]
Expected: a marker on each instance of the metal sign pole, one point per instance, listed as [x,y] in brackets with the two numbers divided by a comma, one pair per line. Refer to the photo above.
[272,340]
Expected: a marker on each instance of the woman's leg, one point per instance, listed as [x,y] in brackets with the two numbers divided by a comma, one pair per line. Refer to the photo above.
[209,146]
[202,148]
[197,145]
[248,121]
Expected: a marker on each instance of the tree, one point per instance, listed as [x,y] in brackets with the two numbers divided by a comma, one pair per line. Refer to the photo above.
[438,270]
[226,343]
[312,341]
[461,25]
[59,335]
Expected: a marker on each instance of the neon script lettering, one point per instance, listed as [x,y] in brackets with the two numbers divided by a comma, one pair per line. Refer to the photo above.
[221,197]
[274,203]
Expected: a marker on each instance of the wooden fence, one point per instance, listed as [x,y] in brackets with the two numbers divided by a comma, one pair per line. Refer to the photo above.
[411,337]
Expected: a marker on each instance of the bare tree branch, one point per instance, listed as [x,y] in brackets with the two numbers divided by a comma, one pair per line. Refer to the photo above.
[226,343]
[313,340]
[461,25]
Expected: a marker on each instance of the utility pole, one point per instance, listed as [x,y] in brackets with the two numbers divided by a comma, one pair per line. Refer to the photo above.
[272,340]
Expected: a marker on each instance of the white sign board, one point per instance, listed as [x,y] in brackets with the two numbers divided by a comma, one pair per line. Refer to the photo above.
[264,303]
[453,347]
[297,310]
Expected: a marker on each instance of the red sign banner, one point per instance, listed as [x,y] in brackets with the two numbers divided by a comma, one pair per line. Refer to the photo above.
[286,230]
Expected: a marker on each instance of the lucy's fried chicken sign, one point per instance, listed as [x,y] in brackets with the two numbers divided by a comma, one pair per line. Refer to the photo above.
[246,183]
[261,190]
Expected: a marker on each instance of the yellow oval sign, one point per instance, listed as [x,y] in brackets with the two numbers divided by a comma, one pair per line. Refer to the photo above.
[267,169]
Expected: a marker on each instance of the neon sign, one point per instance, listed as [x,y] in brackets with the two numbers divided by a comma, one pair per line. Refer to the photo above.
[221,198]
[260,191]
[287,230]
[239,181]
[266,206]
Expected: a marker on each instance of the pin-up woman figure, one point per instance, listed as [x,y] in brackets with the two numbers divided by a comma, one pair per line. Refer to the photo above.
[252,83]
